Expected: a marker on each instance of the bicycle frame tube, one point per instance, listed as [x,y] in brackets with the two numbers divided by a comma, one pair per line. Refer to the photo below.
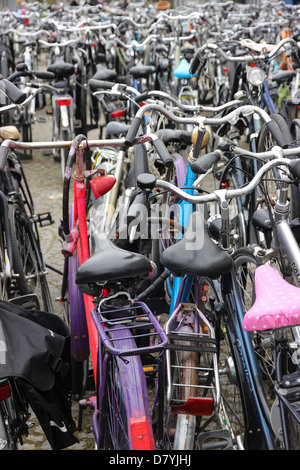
[186,209]
[83,255]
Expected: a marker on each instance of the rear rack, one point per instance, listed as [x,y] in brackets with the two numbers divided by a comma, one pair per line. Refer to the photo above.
[139,320]
[205,392]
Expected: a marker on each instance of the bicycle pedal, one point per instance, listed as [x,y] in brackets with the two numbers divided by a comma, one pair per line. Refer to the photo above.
[44,218]
[215,440]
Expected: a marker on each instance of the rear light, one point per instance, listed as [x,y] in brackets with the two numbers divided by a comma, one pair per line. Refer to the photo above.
[118,114]
[5,391]
[64,102]
[141,434]
[201,406]
[226,70]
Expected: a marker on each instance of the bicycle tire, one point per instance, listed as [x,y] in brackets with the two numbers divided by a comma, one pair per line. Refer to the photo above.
[74,316]
[124,399]
[64,152]
[295,191]
[233,177]
[27,259]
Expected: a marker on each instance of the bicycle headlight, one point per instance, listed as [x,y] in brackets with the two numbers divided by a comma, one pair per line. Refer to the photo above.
[255,76]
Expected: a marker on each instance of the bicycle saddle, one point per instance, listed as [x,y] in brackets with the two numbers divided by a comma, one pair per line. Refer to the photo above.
[276,305]
[61,69]
[283,76]
[104,73]
[183,70]
[196,254]
[141,71]
[110,263]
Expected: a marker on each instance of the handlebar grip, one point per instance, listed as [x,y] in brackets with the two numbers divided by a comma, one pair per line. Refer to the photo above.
[140,160]
[43,75]
[3,156]
[133,130]
[294,168]
[204,163]
[14,94]
[141,97]
[163,153]
[95,84]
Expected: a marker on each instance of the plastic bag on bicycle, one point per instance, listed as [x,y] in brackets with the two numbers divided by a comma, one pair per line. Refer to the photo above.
[34,348]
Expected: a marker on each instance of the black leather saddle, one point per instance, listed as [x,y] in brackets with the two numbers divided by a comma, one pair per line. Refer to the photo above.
[61,69]
[141,71]
[284,76]
[196,254]
[110,263]
[103,73]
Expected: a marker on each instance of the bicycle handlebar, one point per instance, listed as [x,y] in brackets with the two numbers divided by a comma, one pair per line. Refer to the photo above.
[231,117]
[12,91]
[218,195]
[247,57]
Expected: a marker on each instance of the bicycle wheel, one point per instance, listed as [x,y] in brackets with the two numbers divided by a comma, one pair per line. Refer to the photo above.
[232,178]
[14,413]
[295,191]
[123,398]
[74,316]
[265,142]
[27,259]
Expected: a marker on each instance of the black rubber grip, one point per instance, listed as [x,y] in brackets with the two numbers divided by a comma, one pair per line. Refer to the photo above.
[163,153]
[276,133]
[3,157]
[204,163]
[294,168]
[133,130]
[95,85]
[43,75]
[14,94]
[140,160]
[141,97]
[195,64]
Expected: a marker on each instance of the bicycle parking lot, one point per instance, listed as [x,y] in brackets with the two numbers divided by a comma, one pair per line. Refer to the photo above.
[149,227]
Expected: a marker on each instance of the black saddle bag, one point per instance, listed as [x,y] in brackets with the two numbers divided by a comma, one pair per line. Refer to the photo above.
[35,349]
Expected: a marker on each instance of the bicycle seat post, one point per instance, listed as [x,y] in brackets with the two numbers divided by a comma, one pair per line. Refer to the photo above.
[79,173]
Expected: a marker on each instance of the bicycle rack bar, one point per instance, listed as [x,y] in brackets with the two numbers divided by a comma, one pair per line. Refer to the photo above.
[205,397]
[136,317]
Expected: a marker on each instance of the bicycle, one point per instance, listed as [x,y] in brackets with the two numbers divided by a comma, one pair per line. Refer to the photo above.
[110,336]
